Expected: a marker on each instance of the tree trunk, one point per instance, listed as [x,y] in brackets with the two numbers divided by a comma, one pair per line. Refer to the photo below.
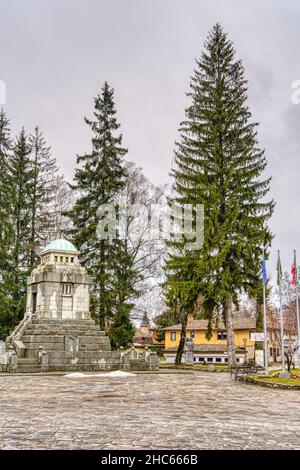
[230,334]
[288,362]
[182,339]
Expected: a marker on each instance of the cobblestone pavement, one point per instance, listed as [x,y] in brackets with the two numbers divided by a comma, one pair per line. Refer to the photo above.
[148,411]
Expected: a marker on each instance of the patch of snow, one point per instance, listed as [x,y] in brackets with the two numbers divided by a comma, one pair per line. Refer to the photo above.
[113,374]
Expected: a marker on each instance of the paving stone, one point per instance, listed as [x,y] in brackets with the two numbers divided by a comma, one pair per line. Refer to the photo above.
[148,411]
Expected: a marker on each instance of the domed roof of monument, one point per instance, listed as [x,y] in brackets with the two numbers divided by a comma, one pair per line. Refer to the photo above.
[60,244]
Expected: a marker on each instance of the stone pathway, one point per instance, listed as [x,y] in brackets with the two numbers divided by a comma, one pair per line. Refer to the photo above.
[172,411]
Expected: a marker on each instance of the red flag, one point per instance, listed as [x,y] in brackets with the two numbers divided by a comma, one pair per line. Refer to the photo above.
[293,273]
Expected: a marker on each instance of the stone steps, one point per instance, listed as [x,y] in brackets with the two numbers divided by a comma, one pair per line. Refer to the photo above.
[27,361]
[84,367]
[28,365]
[69,345]
[57,331]
[63,322]
[56,338]
[29,369]
[41,338]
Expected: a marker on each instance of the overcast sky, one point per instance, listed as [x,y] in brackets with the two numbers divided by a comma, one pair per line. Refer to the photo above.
[56,54]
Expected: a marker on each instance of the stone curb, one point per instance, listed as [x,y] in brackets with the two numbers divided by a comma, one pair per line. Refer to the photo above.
[252,381]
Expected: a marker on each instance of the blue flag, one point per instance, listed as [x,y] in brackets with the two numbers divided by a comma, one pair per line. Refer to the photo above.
[263,270]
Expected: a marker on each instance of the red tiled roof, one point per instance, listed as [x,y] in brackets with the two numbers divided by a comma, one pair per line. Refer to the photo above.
[247,323]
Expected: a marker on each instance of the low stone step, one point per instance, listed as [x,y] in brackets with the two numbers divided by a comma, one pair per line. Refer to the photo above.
[42,338]
[29,369]
[64,322]
[59,331]
[47,346]
[27,361]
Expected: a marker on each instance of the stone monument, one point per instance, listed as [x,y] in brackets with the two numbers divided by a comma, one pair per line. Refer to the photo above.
[57,332]
[189,354]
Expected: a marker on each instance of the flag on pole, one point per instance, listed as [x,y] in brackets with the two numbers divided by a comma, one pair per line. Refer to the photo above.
[279,270]
[294,271]
[263,270]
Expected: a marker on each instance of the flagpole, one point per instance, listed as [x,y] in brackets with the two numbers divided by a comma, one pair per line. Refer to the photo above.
[281,316]
[264,281]
[297,308]
[265,331]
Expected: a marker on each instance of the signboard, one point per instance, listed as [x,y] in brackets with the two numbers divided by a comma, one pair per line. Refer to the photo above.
[257,337]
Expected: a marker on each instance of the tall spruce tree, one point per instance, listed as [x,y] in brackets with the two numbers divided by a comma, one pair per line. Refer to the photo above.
[219,164]
[100,178]
[5,216]
[121,332]
[20,176]
[5,149]
[44,182]
[123,282]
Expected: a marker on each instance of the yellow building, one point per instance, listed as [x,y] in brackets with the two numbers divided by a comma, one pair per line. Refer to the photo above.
[213,350]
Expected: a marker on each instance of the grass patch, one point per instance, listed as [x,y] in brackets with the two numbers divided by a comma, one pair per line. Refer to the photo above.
[290,381]
[293,371]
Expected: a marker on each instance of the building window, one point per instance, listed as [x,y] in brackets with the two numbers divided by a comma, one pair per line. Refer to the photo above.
[56,259]
[66,289]
[221,335]
[195,359]
[226,359]
[61,259]
[209,359]
[218,359]
[72,260]
[201,359]
[67,259]
[173,336]
[237,359]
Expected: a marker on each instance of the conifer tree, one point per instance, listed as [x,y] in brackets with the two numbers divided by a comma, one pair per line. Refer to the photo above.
[122,330]
[5,148]
[123,281]
[44,181]
[219,164]
[99,179]
[20,176]
[5,215]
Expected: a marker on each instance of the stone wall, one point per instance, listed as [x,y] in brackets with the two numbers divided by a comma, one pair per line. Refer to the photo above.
[46,283]
[261,383]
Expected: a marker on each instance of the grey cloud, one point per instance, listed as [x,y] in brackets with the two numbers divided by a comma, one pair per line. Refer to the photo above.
[56,54]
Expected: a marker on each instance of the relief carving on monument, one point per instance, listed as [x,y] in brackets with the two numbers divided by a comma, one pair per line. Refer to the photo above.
[71,343]
[68,276]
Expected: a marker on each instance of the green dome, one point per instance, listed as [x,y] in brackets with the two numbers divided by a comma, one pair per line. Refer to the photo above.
[60,245]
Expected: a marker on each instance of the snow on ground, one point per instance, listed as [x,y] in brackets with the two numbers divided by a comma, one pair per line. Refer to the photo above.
[115,373]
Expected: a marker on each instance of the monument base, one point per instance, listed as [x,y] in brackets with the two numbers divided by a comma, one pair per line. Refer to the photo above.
[69,345]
